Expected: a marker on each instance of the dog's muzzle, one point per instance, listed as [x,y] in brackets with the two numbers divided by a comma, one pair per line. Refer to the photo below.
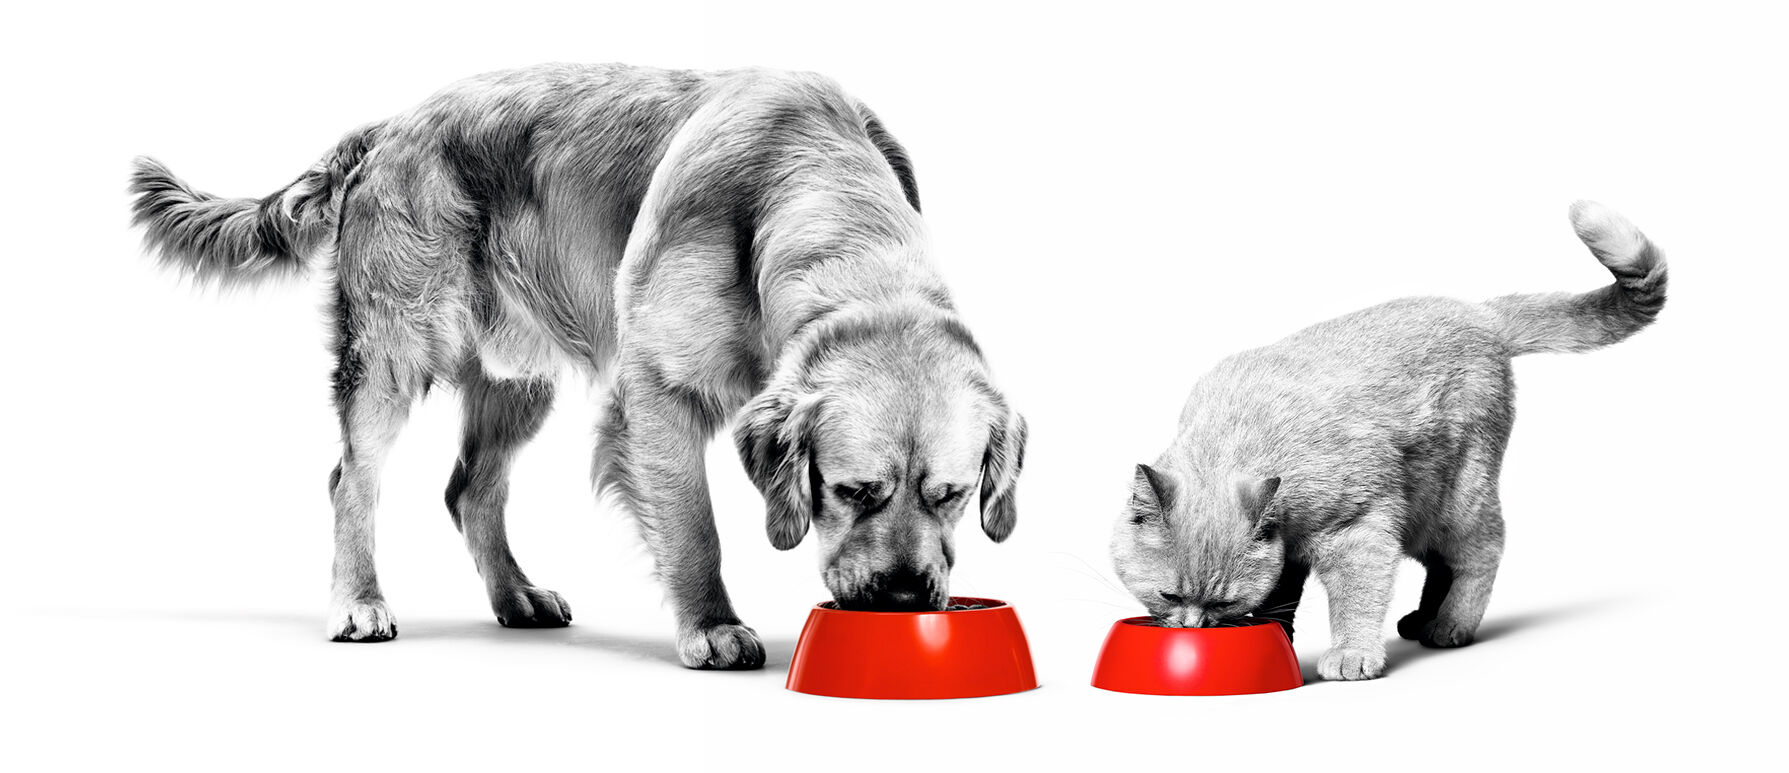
[899,590]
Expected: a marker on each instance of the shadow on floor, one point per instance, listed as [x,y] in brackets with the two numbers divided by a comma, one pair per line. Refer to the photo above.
[660,649]
[1402,652]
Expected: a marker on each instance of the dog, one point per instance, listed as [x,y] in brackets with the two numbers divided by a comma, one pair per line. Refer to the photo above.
[706,245]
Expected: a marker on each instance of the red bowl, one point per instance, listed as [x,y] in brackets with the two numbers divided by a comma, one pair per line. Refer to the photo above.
[967,653]
[1142,657]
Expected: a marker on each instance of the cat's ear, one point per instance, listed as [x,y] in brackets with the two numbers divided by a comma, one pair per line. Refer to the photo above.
[1256,499]
[1149,495]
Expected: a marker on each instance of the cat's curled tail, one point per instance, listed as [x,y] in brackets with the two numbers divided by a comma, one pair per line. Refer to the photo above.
[242,241]
[1575,322]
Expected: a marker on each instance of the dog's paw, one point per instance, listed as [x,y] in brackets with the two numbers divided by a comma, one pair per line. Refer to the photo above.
[1443,634]
[729,647]
[1412,625]
[525,606]
[1350,665]
[361,620]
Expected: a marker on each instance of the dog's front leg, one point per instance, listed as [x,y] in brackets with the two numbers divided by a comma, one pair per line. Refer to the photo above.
[650,454]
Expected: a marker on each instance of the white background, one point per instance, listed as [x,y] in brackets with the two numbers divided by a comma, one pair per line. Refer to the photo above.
[1119,195]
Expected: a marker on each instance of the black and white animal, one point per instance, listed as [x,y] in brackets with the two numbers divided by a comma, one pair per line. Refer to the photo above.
[1358,441]
[743,244]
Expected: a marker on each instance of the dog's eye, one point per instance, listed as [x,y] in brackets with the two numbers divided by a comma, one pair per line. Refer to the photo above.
[863,494]
[949,496]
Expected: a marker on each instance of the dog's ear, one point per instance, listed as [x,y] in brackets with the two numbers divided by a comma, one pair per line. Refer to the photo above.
[774,435]
[999,473]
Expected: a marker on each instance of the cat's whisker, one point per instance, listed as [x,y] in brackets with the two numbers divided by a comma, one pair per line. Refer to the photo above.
[1092,572]
[1100,601]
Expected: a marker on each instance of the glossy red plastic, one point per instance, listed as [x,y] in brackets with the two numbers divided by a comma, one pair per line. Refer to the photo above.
[968,653]
[1142,657]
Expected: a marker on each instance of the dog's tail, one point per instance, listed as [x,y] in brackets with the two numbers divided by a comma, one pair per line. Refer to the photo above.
[1575,322]
[243,241]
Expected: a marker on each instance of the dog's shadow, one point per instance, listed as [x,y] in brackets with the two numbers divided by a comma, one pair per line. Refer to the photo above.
[659,649]
[654,649]
[1402,652]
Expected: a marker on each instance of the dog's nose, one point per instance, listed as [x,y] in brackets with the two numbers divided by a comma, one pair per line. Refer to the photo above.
[902,589]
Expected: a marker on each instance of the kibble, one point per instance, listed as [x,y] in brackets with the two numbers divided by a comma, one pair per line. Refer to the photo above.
[961,607]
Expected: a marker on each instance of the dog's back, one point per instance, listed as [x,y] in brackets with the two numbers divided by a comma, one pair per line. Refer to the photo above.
[496,213]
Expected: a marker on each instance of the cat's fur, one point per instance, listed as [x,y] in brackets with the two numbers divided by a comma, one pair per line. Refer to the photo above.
[1355,442]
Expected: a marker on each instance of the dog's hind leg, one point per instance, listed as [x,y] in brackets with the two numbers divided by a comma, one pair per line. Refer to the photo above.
[499,416]
[373,404]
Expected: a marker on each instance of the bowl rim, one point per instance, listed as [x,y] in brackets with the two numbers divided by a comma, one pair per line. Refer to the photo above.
[1146,621]
[988,605]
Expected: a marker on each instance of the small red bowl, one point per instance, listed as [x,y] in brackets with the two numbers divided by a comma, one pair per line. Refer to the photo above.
[966,653]
[1142,657]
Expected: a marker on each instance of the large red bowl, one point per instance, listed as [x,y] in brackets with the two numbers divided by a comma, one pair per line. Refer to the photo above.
[968,653]
[1142,657]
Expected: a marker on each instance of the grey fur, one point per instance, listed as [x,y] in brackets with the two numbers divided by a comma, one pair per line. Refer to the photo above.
[1354,442]
[701,241]
[231,241]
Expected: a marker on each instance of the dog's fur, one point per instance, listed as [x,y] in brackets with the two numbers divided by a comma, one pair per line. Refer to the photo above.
[706,243]
[1377,433]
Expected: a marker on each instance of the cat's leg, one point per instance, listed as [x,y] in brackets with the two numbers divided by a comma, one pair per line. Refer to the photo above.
[1357,566]
[1439,578]
[1281,604]
[1473,561]
[1472,548]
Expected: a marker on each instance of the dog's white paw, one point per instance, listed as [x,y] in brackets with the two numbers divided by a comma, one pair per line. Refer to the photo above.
[1351,665]
[525,606]
[361,620]
[721,647]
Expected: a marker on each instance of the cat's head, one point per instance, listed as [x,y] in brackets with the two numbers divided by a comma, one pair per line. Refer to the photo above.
[1199,553]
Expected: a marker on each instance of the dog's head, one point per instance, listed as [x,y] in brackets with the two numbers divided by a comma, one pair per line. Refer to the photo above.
[878,436]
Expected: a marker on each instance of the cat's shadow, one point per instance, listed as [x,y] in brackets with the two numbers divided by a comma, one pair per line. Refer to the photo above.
[1401,652]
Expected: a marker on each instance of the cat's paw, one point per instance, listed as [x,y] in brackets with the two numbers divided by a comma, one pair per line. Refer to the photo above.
[361,620]
[1414,624]
[1347,664]
[525,606]
[721,647]
[1443,634]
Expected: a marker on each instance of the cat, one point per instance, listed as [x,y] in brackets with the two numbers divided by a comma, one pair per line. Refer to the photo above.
[1358,441]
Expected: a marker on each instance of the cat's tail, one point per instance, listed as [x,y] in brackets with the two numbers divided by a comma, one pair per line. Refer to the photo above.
[242,241]
[1575,322]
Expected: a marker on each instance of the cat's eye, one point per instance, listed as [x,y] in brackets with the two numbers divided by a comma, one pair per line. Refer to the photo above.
[1172,598]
